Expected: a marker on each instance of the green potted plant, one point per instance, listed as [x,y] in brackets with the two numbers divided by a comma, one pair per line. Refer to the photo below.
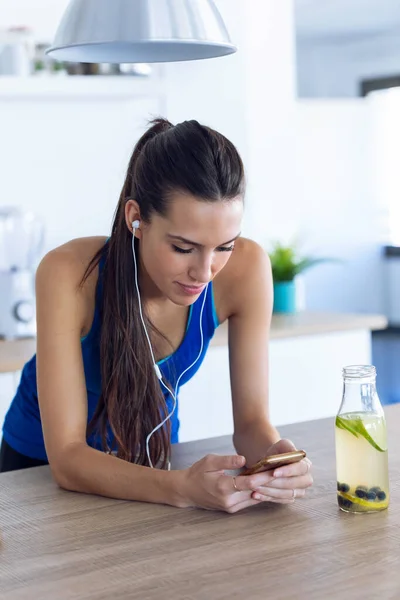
[286,263]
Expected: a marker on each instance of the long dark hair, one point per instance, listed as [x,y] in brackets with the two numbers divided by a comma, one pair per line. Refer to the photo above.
[187,157]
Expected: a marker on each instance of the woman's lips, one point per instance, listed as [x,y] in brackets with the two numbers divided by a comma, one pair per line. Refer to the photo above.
[190,289]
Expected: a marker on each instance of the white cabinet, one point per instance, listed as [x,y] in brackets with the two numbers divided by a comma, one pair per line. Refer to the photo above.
[8,383]
[305,382]
[205,408]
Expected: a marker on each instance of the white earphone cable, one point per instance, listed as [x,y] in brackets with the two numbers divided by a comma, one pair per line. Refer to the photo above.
[173,394]
[140,305]
[156,367]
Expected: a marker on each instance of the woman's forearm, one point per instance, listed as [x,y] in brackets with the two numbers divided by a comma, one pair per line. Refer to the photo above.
[84,469]
[253,441]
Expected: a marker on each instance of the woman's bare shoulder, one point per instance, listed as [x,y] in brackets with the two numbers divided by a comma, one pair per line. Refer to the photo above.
[248,262]
[73,257]
[60,274]
[79,250]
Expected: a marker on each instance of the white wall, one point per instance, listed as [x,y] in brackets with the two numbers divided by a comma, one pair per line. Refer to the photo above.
[334,68]
[42,16]
[340,205]
[309,164]
[213,91]
[270,81]
[73,154]
[66,160]
[385,118]
[250,97]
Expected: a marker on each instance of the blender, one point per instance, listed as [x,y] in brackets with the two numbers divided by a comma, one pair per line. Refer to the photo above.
[21,241]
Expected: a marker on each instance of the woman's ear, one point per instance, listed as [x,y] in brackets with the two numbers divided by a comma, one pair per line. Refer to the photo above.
[132,213]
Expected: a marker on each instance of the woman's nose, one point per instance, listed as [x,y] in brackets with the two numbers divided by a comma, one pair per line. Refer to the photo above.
[201,270]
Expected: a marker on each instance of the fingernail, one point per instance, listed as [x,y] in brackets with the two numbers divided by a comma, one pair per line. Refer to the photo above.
[257,497]
[278,473]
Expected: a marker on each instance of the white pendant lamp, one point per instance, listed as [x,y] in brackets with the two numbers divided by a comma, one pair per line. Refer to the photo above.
[140,31]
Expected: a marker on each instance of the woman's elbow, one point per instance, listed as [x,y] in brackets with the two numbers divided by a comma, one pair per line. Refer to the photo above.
[63,470]
[62,479]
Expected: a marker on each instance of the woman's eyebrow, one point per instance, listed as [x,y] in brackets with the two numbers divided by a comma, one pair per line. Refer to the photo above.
[185,241]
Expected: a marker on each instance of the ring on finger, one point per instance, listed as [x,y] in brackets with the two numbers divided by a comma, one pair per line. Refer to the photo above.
[234,484]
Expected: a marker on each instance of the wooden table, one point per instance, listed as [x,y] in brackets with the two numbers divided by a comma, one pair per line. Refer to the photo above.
[57,545]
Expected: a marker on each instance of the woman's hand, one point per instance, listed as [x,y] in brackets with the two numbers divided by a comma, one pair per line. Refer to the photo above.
[283,484]
[205,485]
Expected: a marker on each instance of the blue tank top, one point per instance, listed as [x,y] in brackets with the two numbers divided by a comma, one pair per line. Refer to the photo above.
[22,428]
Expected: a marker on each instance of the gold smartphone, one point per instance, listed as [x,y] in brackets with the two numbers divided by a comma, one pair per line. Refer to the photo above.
[274,461]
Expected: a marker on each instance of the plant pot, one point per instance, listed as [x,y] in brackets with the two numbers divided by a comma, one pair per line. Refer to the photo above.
[285,297]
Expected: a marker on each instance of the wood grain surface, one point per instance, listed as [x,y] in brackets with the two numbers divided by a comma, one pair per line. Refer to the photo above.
[57,545]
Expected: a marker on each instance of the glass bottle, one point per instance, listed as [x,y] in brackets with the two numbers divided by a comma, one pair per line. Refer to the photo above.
[361,444]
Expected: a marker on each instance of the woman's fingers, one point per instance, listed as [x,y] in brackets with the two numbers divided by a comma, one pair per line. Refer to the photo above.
[300,468]
[215,462]
[240,496]
[276,489]
[253,482]
[242,505]
[269,487]
[304,481]
[282,494]
[232,488]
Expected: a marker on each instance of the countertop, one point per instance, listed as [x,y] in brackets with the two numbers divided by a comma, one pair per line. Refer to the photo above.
[14,354]
[67,546]
[311,323]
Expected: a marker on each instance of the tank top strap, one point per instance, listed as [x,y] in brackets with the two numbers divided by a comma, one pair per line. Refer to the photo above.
[209,317]
[95,328]
[102,262]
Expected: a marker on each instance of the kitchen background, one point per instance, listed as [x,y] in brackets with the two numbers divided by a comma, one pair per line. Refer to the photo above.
[321,157]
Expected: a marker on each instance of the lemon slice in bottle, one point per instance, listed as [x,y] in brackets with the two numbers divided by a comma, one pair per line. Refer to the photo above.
[357,428]
[363,502]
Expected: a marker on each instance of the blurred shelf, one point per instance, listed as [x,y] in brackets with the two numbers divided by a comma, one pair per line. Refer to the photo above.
[78,87]
[306,323]
[15,353]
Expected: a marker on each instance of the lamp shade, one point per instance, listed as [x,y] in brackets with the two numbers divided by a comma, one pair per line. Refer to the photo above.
[140,31]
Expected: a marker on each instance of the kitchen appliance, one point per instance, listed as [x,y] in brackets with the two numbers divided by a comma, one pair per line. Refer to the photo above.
[16,51]
[21,241]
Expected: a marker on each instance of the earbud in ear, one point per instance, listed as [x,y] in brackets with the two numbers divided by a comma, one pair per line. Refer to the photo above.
[135,225]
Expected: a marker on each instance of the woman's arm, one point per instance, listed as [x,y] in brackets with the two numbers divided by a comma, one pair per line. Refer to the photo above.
[249,323]
[61,313]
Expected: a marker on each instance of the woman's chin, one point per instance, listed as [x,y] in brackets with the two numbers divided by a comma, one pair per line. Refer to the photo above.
[182,301]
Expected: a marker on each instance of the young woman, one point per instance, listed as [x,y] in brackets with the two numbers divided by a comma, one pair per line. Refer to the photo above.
[124,322]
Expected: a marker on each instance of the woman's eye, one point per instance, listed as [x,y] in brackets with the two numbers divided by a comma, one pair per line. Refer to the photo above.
[221,249]
[181,250]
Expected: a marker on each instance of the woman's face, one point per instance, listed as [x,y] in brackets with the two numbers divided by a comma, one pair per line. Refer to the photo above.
[182,252]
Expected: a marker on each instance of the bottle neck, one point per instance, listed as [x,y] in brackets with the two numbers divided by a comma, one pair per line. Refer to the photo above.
[359,391]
